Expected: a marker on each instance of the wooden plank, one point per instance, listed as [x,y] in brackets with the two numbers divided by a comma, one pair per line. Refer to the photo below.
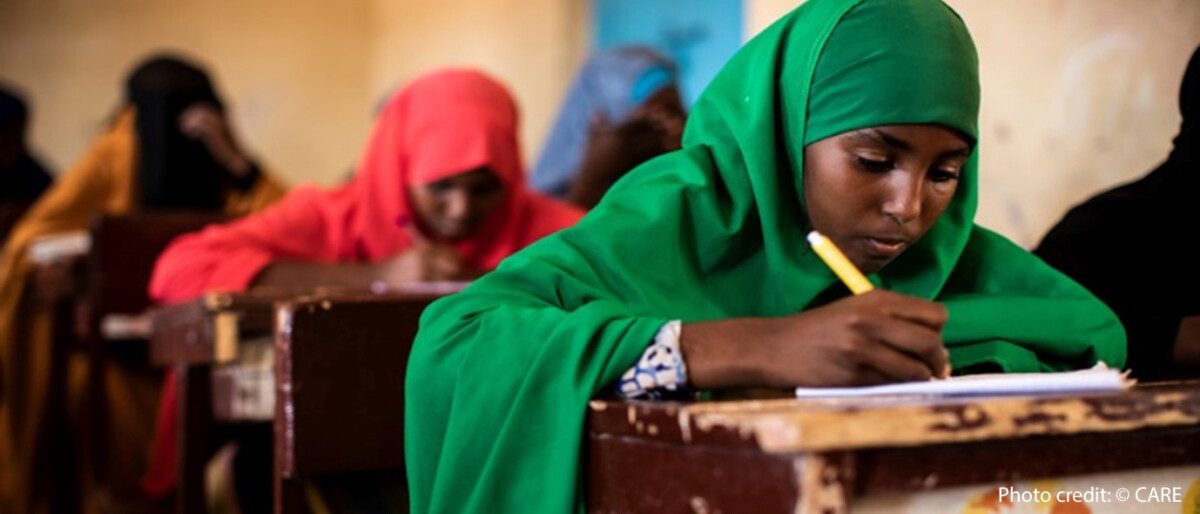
[790,425]
[686,457]
[207,330]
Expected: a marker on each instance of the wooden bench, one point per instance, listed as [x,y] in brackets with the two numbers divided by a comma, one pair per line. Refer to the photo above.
[890,454]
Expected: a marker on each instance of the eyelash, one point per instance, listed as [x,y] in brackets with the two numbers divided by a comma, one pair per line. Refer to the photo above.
[874,166]
[943,176]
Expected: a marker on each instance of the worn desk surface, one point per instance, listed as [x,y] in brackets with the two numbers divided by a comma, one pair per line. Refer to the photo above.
[788,455]
[207,330]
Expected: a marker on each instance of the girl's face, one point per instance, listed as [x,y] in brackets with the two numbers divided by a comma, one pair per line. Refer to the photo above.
[456,206]
[876,191]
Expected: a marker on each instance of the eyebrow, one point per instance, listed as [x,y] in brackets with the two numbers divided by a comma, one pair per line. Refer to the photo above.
[879,136]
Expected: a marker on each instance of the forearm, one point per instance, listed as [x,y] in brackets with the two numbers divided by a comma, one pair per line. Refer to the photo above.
[720,354]
[585,191]
[595,175]
[292,274]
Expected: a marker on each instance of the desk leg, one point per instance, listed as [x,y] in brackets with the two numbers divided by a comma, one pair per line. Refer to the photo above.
[194,439]
[290,496]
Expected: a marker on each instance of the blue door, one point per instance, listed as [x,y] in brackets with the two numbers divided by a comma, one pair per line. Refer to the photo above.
[699,34]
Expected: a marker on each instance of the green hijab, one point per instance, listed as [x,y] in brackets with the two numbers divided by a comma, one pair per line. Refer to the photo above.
[500,374]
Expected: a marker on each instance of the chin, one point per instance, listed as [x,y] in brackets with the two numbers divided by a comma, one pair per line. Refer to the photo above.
[452,236]
[869,266]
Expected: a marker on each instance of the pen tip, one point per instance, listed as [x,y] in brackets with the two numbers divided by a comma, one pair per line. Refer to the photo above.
[813,237]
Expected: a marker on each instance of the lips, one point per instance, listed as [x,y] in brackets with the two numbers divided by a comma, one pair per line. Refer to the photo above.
[885,247]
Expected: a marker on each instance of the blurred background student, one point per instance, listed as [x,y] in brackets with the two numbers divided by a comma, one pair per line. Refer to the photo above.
[1130,246]
[23,178]
[623,109]
[169,147]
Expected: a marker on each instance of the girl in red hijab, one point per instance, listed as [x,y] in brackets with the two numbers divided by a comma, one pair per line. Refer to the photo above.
[439,194]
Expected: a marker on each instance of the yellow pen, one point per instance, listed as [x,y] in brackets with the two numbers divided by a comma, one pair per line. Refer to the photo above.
[845,270]
[837,261]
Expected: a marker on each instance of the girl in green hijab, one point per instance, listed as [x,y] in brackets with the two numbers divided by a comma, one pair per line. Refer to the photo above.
[857,118]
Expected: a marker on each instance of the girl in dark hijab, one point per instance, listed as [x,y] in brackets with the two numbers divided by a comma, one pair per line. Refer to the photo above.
[182,166]
[22,176]
[169,147]
[1128,246]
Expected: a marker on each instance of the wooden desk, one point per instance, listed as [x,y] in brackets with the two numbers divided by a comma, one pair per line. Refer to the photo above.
[338,355]
[207,330]
[84,278]
[192,338]
[340,365]
[123,252]
[889,455]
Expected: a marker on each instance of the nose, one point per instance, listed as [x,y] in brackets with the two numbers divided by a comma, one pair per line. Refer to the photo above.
[903,201]
[458,205]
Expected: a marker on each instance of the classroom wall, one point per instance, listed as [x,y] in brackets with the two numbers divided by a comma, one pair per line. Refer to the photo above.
[534,46]
[303,78]
[293,73]
[1078,95]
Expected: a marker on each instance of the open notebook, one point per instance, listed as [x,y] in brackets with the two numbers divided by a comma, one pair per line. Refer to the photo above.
[1097,379]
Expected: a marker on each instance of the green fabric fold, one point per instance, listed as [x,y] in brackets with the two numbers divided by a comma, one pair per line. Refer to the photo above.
[500,374]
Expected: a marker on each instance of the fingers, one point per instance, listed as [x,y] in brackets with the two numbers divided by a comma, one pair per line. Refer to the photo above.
[917,345]
[598,122]
[445,267]
[884,364]
[439,262]
[910,308]
[199,120]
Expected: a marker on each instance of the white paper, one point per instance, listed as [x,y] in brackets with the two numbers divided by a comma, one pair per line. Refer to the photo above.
[1097,379]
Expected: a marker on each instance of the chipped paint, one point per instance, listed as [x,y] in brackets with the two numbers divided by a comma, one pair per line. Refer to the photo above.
[821,486]
[788,426]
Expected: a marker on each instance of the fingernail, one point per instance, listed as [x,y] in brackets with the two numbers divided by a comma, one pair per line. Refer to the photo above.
[946,371]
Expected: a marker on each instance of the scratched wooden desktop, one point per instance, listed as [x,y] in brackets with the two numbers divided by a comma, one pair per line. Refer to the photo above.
[894,454]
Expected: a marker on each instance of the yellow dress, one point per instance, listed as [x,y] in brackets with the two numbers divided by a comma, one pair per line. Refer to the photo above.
[103,181]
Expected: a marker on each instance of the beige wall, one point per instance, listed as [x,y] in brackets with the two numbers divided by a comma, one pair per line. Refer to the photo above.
[293,73]
[534,46]
[1078,95]
[302,77]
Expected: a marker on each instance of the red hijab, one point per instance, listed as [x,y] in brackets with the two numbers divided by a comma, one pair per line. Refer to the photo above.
[440,125]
